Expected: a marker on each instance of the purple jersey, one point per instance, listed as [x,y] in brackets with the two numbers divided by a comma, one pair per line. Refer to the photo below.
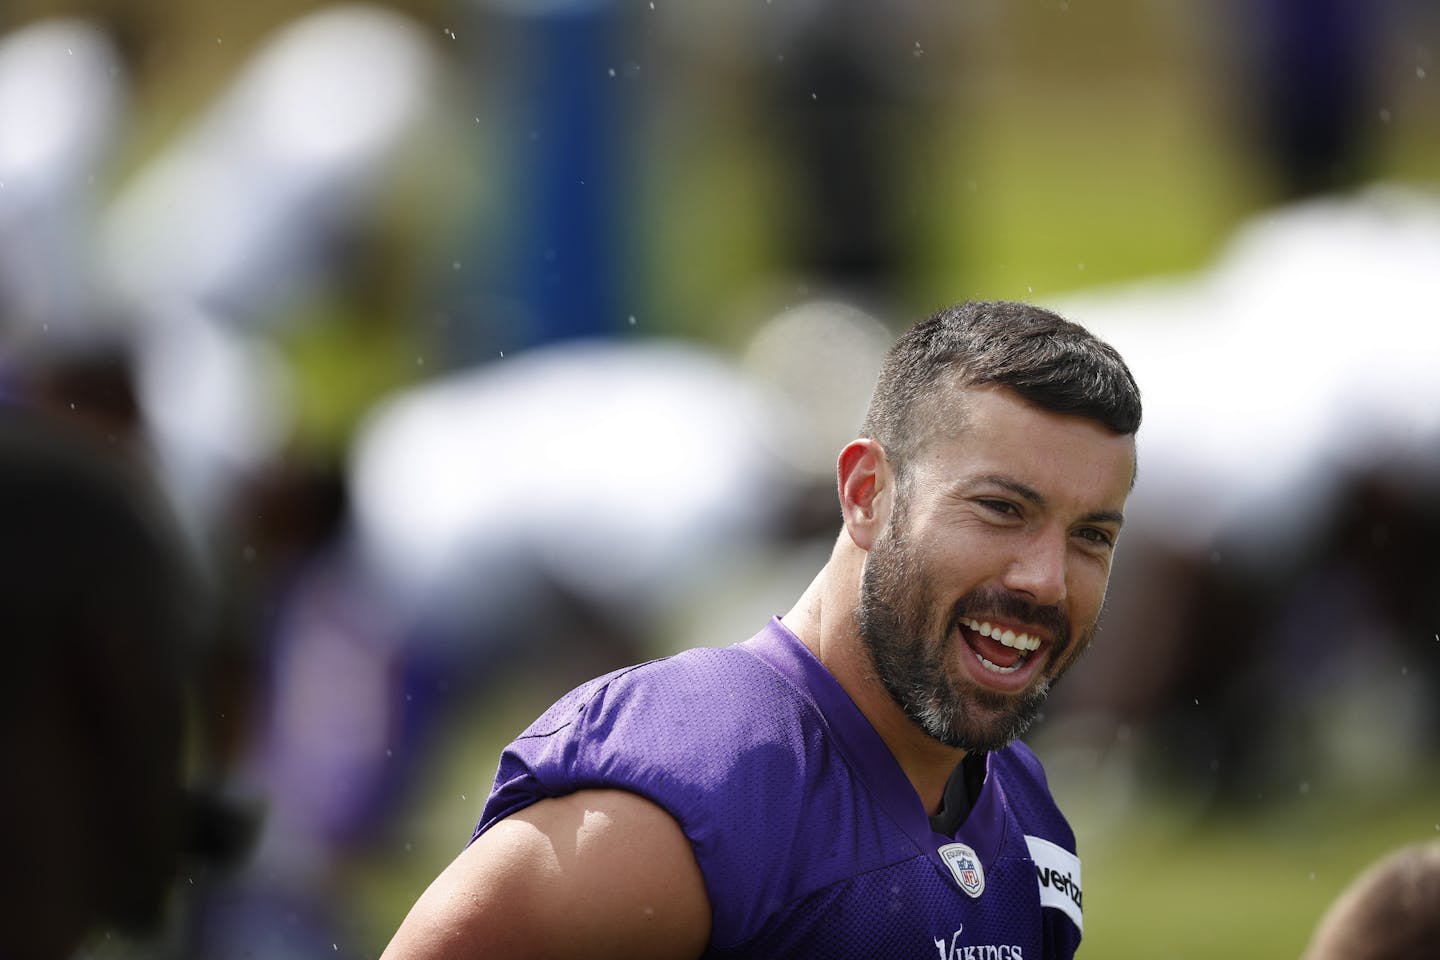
[811,840]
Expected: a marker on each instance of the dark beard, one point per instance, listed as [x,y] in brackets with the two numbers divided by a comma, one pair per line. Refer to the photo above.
[893,625]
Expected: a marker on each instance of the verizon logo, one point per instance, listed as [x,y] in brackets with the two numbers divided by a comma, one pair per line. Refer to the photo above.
[1060,882]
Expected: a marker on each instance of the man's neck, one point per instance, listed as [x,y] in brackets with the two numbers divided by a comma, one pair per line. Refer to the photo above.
[824,620]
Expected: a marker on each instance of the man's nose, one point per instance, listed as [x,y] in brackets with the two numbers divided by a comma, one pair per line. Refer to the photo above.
[1038,571]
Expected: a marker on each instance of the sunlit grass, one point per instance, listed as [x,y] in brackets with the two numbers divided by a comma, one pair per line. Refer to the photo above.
[1247,883]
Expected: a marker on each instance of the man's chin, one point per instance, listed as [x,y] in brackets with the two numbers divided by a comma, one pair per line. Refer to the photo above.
[988,720]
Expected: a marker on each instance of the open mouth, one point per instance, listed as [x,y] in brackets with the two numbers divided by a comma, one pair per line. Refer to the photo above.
[999,649]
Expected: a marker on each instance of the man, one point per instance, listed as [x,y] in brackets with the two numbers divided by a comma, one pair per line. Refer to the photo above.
[845,783]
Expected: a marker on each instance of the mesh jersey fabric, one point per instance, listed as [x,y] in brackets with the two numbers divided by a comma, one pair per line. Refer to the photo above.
[810,839]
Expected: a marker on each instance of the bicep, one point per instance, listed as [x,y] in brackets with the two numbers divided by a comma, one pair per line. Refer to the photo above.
[599,873]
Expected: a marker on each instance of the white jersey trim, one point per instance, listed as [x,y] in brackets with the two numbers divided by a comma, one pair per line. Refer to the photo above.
[1058,874]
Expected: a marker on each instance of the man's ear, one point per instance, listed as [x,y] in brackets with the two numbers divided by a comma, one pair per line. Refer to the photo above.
[866,487]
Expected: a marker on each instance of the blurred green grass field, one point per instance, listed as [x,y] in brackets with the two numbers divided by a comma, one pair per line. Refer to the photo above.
[1247,884]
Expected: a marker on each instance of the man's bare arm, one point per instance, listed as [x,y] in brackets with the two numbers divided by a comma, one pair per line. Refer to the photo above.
[599,873]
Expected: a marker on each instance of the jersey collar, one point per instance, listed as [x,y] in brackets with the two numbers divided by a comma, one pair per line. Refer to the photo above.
[869,757]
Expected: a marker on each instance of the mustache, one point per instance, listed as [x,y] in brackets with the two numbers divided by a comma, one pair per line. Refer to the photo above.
[1004,605]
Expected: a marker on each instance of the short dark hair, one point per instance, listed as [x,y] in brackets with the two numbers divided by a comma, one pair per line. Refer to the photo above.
[1055,364]
[1391,911]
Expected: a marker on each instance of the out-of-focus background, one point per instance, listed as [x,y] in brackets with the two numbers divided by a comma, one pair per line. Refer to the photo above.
[477,348]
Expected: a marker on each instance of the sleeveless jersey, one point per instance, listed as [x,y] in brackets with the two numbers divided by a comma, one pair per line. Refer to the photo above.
[811,841]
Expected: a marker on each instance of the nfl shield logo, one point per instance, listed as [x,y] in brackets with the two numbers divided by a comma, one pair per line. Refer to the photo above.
[965,867]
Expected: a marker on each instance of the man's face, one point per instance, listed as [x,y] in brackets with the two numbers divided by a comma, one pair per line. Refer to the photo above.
[986,584]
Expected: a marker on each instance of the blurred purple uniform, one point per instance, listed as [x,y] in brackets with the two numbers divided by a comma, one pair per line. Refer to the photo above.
[811,841]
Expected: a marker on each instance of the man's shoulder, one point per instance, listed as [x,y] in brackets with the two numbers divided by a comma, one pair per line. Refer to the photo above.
[1028,797]
[673,729]
[700,689]
[1020,763]
[705,734]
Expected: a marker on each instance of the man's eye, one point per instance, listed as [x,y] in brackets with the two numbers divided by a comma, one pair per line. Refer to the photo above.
[1004,507]
[1097,537]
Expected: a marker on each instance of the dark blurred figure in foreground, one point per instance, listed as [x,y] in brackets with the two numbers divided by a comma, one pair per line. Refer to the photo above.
[1390,912]
[100,612]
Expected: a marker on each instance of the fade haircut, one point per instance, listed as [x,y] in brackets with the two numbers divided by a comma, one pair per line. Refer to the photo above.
[1057,365]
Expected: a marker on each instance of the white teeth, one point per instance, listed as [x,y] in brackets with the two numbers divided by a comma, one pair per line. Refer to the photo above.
[1018,641]
[995,669]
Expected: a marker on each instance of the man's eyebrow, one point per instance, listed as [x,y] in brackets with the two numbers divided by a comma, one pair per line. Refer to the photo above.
[1023,491]
[1105,516]
[1035,497]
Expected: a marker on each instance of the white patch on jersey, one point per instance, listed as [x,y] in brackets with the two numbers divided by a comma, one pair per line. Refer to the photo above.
[1058,873]
[965,865]
[954,946]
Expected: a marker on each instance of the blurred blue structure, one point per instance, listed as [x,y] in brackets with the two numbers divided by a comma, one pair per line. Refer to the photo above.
[557,113]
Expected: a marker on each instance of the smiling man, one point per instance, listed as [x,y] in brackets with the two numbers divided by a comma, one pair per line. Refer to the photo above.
[847,782]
